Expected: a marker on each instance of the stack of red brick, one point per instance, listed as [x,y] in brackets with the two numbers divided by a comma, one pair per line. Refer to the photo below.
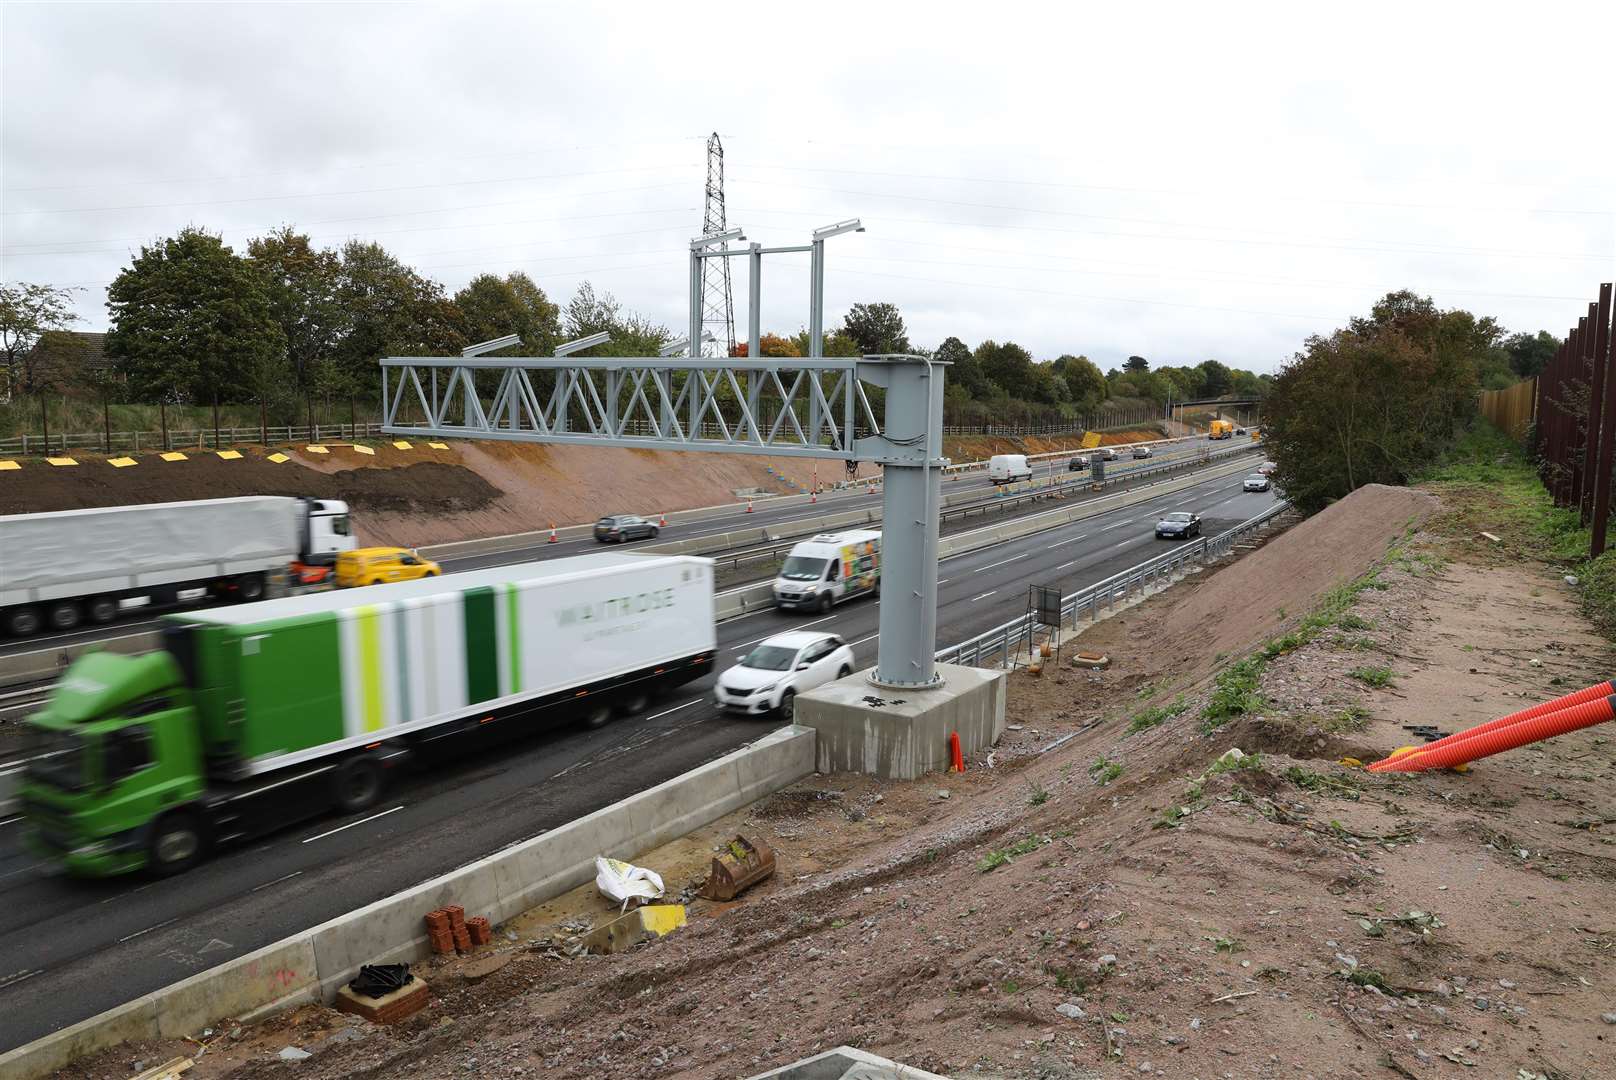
[449,931]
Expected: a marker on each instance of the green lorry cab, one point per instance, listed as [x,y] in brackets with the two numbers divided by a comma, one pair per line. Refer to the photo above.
[256,716]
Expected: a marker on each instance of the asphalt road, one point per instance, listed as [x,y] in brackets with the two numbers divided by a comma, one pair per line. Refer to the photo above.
[762,520]
[75,948]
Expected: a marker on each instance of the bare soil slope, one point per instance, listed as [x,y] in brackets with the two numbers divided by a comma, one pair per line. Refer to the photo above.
[1098,897]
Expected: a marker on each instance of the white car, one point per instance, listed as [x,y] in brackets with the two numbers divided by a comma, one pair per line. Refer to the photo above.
[768,679]
[1256,482]
[1108,453]
[1141,451]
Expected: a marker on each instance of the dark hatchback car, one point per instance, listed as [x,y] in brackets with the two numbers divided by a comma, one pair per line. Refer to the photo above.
[1179,526]
[615,528]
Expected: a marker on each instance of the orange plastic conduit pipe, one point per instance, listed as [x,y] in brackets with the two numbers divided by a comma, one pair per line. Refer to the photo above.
[1598,690]
[1587,714]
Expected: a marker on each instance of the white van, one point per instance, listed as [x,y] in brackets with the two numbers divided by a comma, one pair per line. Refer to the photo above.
[829,568]
[1008,468]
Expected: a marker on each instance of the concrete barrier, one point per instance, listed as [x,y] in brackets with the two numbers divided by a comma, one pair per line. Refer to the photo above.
[313,964]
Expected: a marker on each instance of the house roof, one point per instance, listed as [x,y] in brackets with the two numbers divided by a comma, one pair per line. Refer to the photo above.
[74,347]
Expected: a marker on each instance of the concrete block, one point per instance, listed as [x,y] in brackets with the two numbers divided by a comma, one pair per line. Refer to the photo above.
[903,734]
[283,972]
[846,1063]
[136,1020]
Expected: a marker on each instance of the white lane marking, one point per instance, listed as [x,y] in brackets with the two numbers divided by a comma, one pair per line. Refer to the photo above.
[351,824]
[1073,540]
[24,870]
[1002,562]
[1125,543]
[984,596]
[13,980]
[126,895]
[1118,525]
[676,708]
[862,640]
[149,929]
[277,881]
[940,581]
[766,637]
[9,820]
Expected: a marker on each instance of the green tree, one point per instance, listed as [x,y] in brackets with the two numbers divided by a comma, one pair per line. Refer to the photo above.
[1136,363]
[1007,366]
[877,328]
[1215,379]
[1085,385]
[393,311]
[1376,401]
[303,284]
[189,318]
[1528,353]
[28,311]
[589,312]
[493,307]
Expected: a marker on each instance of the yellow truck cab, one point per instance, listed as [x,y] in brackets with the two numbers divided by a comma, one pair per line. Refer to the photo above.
[380,565]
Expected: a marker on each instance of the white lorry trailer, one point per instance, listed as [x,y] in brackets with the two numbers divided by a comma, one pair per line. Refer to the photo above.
[825,570]
[60,569]
[255,716]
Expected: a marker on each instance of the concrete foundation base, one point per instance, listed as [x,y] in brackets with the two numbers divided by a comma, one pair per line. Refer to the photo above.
[846,1063]
[902,734]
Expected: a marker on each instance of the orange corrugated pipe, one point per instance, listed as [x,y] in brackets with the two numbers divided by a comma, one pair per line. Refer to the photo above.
[1588,693]
[1547,726]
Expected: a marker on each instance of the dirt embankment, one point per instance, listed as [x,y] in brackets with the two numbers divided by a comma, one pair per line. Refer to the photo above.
[423,496]
[980,447]
[1101,897]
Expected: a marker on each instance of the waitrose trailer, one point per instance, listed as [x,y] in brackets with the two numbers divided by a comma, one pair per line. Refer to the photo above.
[252,717]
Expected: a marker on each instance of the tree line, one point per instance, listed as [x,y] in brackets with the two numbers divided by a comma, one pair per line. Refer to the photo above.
[287,323]
[1383,397]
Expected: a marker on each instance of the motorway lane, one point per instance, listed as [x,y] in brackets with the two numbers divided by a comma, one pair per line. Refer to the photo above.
[74,948]
[770,519]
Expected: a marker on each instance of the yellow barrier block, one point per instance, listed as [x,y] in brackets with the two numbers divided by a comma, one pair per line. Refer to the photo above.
[172,455]
[401,445]
[120,462]
[641,924]
[229,455]
[279,458]
[438,445]
[10,466]
[317,449]
[61,461]
[364,450]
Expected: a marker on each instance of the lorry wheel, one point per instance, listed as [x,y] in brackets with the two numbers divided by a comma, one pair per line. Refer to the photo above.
[825,602]
[22,621]
[249,588]
[597,714]
[358,784]
[176,843]
[64,616]
[788,706]
[103,609]
[634,703]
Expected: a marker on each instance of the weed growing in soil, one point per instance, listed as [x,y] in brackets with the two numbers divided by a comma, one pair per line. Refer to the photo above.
[995,859]
[1156,717]
[1104,770]
[1234,694]
[1234,764]
[1036,795]
[1378,677]
[1318,783]
[1349,621]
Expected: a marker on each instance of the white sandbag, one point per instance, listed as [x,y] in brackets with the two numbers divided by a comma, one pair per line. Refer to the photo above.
[621,882]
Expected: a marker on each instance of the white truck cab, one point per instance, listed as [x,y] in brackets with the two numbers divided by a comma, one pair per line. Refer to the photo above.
[825,570]
[1008,468]
[326,532]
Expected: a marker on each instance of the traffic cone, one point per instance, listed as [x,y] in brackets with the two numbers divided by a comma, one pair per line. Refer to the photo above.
[954,752]
[749,504]
[553,538]
[662,521]
[813,496]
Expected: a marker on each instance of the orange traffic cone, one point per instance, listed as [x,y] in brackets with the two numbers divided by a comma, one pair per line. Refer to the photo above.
[749,504]
[954,752]
[553,538]
[813,496]
[662,521]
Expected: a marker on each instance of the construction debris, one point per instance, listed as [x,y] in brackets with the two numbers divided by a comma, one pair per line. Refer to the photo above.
[621,882]
[641,924]
[741,866]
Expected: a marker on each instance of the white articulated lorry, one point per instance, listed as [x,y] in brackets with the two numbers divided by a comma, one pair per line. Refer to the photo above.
[60,569]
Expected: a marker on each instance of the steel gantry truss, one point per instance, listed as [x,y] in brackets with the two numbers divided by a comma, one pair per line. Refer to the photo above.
[814,406]
[805,408]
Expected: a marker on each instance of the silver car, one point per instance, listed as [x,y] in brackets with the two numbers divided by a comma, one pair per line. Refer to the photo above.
[1256,482]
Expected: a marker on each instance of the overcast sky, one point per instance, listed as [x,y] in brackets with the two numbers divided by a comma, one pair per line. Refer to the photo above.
[1181,182]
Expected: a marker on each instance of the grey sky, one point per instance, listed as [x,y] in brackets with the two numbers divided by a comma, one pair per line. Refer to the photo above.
[1181,182]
